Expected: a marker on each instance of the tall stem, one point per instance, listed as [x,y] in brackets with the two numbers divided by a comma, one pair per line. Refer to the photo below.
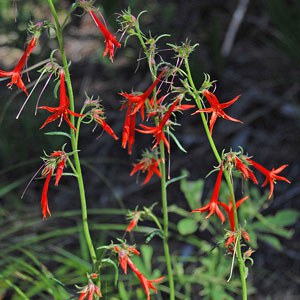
[73,138]
[164,200]
[164,197]
[241,263]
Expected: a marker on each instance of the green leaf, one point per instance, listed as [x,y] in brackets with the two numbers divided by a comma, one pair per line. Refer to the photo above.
[177,142]
[187,226]
[271,240]
[58,133]
[285,217]
[192,191]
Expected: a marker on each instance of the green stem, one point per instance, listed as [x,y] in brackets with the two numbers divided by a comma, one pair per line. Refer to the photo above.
[241,263]
[164,197]
[164,200]
[73,138]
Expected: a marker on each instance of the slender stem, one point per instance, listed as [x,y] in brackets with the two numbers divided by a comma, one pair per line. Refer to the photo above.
[164,197]
[227,176]
[73,138]
[164,200]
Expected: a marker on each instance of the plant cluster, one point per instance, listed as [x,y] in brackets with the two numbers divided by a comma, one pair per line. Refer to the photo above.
[155,113]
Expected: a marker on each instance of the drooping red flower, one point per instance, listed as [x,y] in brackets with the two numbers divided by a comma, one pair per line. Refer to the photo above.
[271,176]
[217,109]
[135,217]
[158,131]
[230,212]
[89,291]
[147,164]
[15,74]
[110,40]
[62,111]
[125,260]
[135,103]
[98,116]
[56,160]
[213,205]
[44,198]
[245,171]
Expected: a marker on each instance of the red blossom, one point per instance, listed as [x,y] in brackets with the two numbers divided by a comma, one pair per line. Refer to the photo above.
[99,118]
[15,74]
[57,160]
[44,198]
[213,205]
[125,260]
[230,212]
[62,111]
[110,40]
[271,176]
[149,165]
[158,131]
[217,109]
[89,291]
[134,104]
[246,172]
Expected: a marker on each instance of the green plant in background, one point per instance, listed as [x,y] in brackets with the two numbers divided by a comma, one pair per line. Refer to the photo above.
[91,270]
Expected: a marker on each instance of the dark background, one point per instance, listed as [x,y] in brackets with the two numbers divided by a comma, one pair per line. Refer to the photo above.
[262,65]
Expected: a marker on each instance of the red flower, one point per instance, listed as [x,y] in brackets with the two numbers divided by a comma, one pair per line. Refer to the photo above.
[271,176]
[44,199]
[217,109]
[147,164]
[230,212]
[212,206]
[89,291]
[125,260]
[56,160]
[246,172]
[62,111]
[134,104]
[98,116]
[15,74]
[136,215]
[158,131]
[110,40]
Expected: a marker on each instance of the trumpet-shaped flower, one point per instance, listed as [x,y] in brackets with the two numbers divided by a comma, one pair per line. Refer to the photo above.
[158,131]
[147,164]
[134,104]
[245,171]
[15,74]
[213,205]
[62,111]
[271,176]
[110,40]
[230,212]
[217,109]
[89,291]
[98,116]
[124,260]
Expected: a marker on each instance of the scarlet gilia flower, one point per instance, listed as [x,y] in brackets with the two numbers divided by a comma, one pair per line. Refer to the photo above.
[124,252]
[135,103]
[217,109]
[110,40]
[98,116]
[15,74]
[232,236]
[213,205]
[62,111]
[245,171]
[89,291]
[135,216]
[56,160]
[271,176]
[158,131]
[230,212]
[147,164]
